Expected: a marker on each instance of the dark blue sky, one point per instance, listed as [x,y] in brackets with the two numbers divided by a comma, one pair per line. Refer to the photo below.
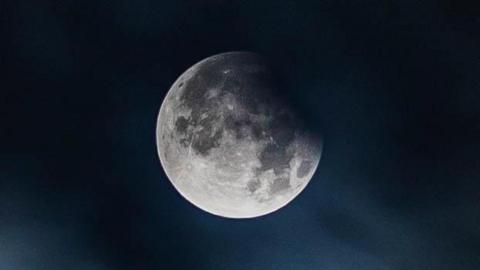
[393,86]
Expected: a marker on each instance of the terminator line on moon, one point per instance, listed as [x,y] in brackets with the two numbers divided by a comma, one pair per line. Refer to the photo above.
[227,144]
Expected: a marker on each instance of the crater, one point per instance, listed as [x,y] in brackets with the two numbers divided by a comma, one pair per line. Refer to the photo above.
[275,157]
[253,185]
[181,125]
[203,142]
[279,184]
[304,168]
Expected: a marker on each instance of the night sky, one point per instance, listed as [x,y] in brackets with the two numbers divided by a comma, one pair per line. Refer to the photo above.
[393,86]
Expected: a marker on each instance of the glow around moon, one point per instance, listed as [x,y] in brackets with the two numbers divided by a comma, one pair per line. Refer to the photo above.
[228,144]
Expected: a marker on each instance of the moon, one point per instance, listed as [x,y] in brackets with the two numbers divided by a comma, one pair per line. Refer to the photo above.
[228,143]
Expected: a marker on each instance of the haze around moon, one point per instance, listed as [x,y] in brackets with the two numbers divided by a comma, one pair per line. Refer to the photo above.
[228,143]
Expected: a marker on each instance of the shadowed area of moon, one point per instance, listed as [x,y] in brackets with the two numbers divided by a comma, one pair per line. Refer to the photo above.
[228,144]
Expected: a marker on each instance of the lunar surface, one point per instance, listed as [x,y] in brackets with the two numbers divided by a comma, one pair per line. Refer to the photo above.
[228,143]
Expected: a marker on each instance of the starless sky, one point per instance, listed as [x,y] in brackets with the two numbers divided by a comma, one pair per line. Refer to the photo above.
[393,86]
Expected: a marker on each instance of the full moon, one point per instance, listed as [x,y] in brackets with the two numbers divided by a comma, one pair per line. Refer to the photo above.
[229,144]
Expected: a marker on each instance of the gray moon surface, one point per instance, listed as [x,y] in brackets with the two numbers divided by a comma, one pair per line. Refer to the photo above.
[228,143]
